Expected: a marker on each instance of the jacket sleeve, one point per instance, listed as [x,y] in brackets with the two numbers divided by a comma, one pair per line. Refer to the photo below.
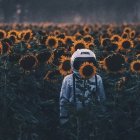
[64,98]
[100,90]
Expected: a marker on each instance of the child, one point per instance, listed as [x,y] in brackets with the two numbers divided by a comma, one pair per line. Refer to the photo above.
[72,86]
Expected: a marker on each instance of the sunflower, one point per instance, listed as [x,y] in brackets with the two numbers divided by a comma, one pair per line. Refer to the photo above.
[78,36]
[27,36]
[80,44]
[127,30]
[61,43]
[69,40]
[110,30]
[132,34]
[114,63]
[65,65]
[51,42]
[52,76]
[13,38]
[21,34]
[5,46]
[88,39]
[135,66]
[87,29]
[28,62]
[105,42]
[2,34]
[13,32]
[126,44]
[115,38]
[87,70]
[45,57]
[125,35]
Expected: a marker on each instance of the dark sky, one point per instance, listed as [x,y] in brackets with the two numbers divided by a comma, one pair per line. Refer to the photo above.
[69,10]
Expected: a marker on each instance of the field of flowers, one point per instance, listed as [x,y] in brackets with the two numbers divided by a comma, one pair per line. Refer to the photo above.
[34,59]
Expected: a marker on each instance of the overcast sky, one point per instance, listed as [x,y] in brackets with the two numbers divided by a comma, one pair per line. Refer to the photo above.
[69,10]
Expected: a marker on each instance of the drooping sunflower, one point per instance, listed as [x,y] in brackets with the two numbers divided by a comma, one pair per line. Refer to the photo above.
[28,62]
[52,42]
[65,65]
[2,34]
[45,56]
[80,44]
[114,63]
[87,70]
[135,66]
[126,44]
[52,76]
[57,55]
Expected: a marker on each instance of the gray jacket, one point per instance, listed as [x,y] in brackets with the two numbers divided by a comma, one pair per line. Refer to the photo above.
[83,88]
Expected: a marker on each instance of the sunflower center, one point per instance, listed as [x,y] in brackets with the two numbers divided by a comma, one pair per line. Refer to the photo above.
[116,39]
[136,66]
[87,39]
[27,36]
[28,62]
[114,63]
[79,46]
[51,42]
[88,71]
[126,45]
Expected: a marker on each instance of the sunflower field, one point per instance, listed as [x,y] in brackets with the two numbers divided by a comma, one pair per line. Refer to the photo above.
[34,59]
